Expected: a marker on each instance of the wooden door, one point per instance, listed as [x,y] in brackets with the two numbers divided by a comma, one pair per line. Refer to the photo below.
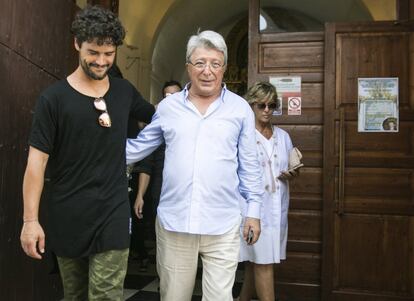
[297,54]
[368,227]
[36,49]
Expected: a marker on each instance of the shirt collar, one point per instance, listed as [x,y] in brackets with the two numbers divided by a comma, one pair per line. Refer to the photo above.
[187,87]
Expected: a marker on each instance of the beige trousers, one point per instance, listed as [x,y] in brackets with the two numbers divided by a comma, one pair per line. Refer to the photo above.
[177,257]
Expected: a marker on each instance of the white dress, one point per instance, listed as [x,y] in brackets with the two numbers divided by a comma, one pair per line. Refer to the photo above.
[273,156]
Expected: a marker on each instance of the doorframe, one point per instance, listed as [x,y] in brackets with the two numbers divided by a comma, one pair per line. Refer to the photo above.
[254,39]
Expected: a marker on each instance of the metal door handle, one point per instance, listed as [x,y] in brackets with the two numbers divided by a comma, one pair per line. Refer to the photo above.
[341,184]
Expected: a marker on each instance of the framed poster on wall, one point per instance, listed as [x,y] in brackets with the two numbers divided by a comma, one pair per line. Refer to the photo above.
[378,104]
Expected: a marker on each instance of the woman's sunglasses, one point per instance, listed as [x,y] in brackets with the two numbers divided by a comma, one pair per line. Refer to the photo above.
[270,106]
[104,119]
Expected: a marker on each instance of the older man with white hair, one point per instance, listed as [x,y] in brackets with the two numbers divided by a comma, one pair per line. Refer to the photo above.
[210,166]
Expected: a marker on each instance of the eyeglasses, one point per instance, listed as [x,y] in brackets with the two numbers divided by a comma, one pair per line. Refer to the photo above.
[104,119]
[202,65]
[270,106]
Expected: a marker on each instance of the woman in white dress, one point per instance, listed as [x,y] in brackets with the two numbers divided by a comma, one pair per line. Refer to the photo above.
[273,147]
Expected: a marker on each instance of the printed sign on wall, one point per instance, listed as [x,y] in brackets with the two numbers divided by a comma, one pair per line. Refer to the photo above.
[290,91]
[294,105]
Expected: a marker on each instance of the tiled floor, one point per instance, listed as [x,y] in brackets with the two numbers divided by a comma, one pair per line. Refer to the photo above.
[143,286]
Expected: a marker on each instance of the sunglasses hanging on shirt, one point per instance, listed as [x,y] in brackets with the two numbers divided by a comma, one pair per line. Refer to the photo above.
[104,119]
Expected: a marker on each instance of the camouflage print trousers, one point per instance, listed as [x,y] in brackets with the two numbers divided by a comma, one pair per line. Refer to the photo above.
[97,277]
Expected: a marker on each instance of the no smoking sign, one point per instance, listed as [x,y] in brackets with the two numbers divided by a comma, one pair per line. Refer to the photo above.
[294,105]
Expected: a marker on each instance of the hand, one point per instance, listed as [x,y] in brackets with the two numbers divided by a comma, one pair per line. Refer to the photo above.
[138,207]
[32,239]
[253,224]
[286,175]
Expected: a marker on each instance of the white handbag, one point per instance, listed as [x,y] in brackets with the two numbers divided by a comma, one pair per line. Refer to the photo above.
[295,157]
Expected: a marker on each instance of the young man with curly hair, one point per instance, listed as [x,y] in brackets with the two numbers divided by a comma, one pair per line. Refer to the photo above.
[79,132]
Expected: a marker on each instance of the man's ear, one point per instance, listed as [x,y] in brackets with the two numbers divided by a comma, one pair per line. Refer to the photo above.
[75,43]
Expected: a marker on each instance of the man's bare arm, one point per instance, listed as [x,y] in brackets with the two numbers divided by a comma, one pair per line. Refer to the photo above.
[143,182]
[32,237]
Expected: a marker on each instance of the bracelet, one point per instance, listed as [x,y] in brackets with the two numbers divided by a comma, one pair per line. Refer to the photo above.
[25,221]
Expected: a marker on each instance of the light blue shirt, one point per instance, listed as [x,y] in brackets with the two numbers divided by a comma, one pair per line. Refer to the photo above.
[211,163]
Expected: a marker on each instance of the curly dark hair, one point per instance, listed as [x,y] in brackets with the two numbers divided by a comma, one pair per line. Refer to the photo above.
[96,23]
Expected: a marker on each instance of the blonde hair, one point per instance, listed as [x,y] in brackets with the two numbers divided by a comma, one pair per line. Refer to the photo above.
[262,92]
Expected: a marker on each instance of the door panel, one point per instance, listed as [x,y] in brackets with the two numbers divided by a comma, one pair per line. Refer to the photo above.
[387,241]
[301,263]
[368,225]
[297,54]
[298,278]
[370,54]
[365,149]
[310,138]
[378,190]
[278,56]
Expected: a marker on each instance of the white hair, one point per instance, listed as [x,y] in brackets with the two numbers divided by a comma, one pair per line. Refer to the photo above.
[207,39]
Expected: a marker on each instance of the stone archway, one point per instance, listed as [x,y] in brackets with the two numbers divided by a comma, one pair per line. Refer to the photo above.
[185,17]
